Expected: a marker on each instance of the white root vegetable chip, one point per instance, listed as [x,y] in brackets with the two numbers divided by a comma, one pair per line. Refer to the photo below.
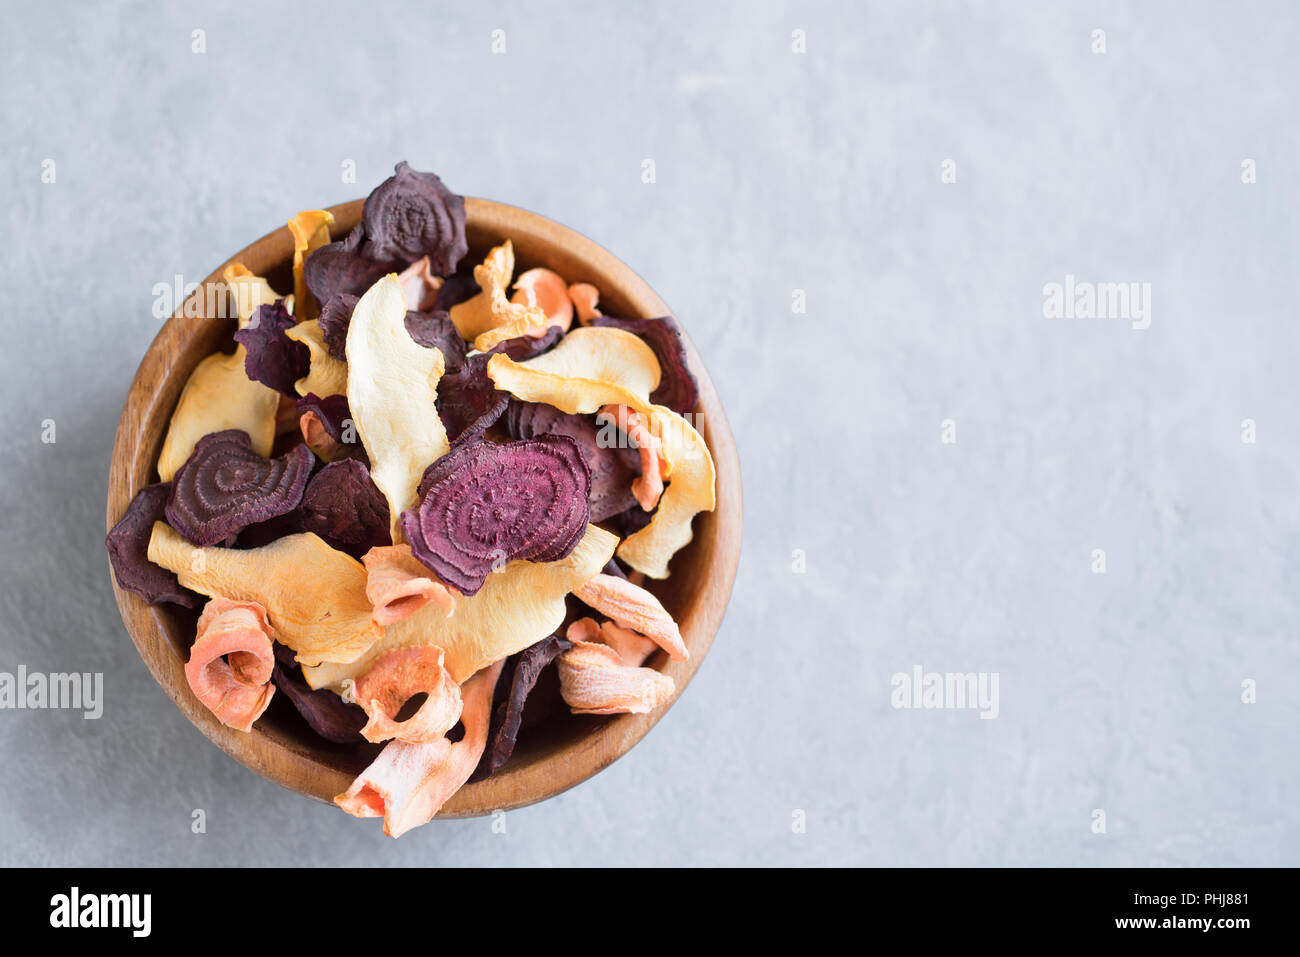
[392,386]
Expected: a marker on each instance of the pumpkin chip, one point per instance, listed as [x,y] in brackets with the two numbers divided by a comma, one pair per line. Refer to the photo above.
[311,231]
[392,389]
[490,318]
[547,290]
[594,367]
[326,375]
[315,596]
[517,606]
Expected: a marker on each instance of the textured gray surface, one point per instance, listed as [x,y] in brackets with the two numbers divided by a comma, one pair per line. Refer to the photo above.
[776,171]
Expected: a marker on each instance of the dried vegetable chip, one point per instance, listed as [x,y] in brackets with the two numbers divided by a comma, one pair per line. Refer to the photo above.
[273,358]
[413,214]
[631,606]
[434,330]
[677,388]
[128,545]
[218,396]
[335,316]
[393,391]
[396,678]
[225,486]
[314,595]
[546,290]
[325,712]
[420,285]
[490,318]
[343,506]
[398,585]
[247,291]
[325,374]
[595,680]
[230,663]
[517,681]
[340,268]
[468,401]
[516,607]
[408,783]
[485,504]
[310,231]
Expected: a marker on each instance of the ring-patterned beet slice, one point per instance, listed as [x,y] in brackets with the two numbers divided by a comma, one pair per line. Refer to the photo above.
[224,486]
[128,547]
[413,214]
[483,505]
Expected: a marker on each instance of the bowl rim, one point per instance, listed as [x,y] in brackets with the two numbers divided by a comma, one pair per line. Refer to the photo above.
[297,767]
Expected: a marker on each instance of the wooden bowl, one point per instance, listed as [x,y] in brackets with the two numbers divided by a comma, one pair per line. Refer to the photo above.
[556,750]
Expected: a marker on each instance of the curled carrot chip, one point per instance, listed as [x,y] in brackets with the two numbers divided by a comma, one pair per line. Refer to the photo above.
[517,606]
[393,390]
[408,783]
[649,485]
[310,231]
[633,607]
[315,596]
[584,297]
[595,680]
[489,318]
[231,661]
[545,290]
[396,678]
[594,367]
[398,584]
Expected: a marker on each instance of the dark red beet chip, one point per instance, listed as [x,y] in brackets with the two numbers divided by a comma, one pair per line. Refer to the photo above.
[469,401]
[613,466]
[455,289]
[341,268]
[484,504]
[344,507]
[678,389]
[412,214]
[128,550]
[435,330]
[224,486]
[324,711]
[526,347]
[335,317]
[273,359]
[517,681]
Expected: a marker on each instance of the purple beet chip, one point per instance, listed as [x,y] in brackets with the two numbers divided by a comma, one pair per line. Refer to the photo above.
[469,401]
[412,214]
[435,330]
[613,465]
[678,389]
[341,268]
[517,681]
[273,358]
[128,550]
[523,348]
[456,289]
[225,486]
[343,506]
[485,503]
[335,317]
[324,711]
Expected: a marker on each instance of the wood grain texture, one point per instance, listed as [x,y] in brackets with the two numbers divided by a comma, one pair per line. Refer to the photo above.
[555,752]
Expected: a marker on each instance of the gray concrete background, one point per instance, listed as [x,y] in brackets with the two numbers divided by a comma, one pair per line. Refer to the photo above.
[776,171]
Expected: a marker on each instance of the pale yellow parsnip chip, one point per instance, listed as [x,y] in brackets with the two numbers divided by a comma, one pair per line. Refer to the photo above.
[392,386]
[218,395]
[326,376]
[516,607]
[490,317]
[310,230]
[247,291]
[597,366]
[315,596]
